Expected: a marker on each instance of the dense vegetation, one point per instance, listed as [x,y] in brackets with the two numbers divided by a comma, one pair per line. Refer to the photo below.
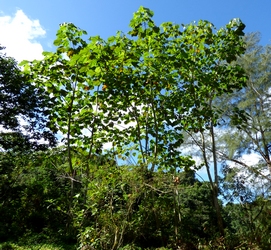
[130,114]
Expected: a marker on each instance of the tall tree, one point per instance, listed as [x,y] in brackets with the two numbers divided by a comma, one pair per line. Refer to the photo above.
[158,81]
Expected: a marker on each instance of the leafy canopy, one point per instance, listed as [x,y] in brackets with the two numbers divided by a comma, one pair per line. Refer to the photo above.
[153,82]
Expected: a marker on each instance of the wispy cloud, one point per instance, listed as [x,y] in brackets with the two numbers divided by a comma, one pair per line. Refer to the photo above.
[19,35]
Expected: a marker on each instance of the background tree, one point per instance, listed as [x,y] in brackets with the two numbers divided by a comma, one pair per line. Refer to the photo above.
[21,101]
[253,135]
[23,131]
[250,179]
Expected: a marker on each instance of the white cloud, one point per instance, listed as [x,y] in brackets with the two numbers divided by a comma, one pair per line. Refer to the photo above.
[251,159]
[19,34]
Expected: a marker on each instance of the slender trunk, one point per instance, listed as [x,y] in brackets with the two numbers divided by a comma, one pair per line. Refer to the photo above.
[215,195]
[156,131]
[177,214]
[218,213]
[71,169]
[214,184]
[72,172]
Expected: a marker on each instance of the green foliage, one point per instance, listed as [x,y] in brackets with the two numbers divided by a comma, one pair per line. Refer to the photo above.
[138,91]
[120,205]
[29,181]
[124,207]
[21,100]
[253,227]
[34,246]
[139,80]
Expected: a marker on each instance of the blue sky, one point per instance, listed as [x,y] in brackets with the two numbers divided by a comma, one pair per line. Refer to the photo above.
[105,17]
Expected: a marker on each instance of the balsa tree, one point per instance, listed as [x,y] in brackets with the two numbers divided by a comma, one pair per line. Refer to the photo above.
[154,82]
